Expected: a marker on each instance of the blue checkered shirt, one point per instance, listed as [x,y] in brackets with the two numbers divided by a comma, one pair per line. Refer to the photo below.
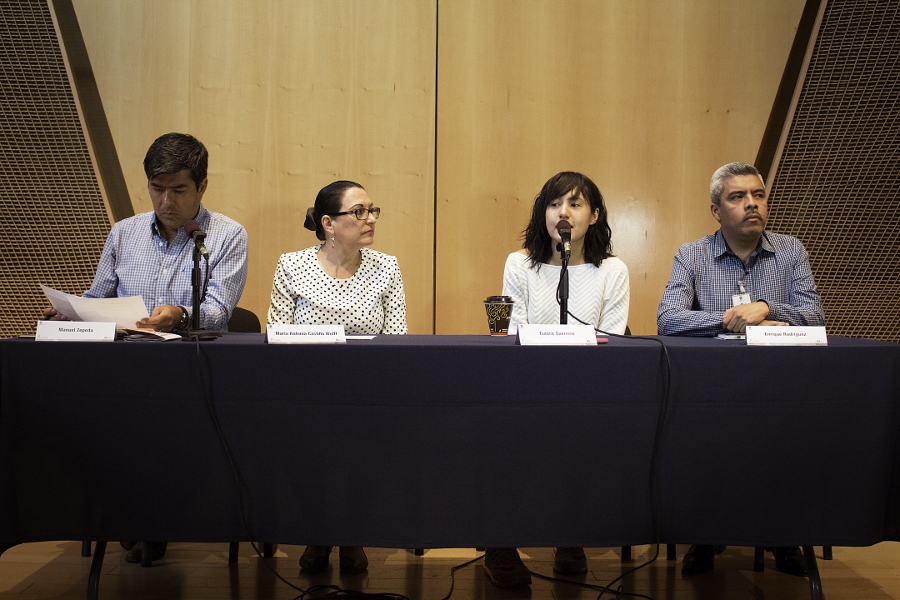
[706,273]
[138,261]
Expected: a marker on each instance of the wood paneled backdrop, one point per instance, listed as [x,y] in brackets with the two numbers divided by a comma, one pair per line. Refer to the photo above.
[452,113]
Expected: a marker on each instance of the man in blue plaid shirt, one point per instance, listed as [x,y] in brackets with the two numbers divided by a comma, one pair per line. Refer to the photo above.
[150,254]
[741,275]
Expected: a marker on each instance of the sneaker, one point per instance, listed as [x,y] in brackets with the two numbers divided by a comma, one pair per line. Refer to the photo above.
[504,568]
[569,561]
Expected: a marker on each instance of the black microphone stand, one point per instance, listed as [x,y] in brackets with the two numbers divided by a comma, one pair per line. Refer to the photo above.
[196,285]
[563,287]
[195,291]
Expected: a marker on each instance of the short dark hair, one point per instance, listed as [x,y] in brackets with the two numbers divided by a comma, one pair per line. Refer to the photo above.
[597,240]
[717,183]
[175,152]
[328,202]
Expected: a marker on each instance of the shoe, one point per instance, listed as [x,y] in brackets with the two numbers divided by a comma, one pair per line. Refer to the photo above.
[789,559]
[504,568]
[569,561]
[127,545]
[700,559]
[315,559]
[353,559]
[157,551]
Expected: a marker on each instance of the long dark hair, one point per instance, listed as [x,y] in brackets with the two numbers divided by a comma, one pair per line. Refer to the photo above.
[597,240]
[328,202]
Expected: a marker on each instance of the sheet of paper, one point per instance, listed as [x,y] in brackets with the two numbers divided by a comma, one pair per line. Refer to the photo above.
[125,312]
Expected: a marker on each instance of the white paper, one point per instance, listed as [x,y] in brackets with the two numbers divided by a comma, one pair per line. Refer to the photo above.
[70,331]
[124,312]
[556,335]
[305,334]
[773,335]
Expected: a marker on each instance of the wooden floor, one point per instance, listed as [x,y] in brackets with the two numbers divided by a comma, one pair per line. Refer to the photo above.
[200,571]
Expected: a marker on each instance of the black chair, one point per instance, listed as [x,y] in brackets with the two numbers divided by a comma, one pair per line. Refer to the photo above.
[245,321]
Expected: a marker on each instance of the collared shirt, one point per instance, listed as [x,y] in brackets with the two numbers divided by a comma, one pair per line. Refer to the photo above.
[138,261]
[705,274]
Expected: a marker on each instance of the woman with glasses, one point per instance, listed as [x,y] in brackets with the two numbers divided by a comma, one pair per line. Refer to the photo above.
[598,296]
[340,282]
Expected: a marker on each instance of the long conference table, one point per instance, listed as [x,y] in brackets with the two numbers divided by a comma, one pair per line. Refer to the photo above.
[450,441]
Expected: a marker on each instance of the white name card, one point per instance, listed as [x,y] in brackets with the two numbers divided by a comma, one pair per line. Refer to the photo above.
[556,335]
[75,331]
[305,334]
[786,336]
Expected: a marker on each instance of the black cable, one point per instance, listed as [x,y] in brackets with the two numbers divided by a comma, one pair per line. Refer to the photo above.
[661,423]
[245,503]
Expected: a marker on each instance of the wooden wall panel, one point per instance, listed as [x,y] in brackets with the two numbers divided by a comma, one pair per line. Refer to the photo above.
[647,98]
[287,96]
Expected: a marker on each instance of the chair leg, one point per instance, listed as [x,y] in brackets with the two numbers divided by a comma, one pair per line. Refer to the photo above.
[268,550]
[232,553]
[626,553]
[86,548]
[671,554]
[815,580]
[826,553]
[419,552]
[759,563]
[146,554]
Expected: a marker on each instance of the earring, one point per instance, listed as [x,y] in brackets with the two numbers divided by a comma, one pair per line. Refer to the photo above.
[332,241]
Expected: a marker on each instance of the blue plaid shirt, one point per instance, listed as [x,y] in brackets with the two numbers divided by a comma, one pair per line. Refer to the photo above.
[138,261]
[706,273]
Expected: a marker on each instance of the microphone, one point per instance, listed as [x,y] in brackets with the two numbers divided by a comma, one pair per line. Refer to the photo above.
[192,228]
[564,228]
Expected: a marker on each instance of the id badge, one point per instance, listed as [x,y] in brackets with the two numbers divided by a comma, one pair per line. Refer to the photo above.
[738,299]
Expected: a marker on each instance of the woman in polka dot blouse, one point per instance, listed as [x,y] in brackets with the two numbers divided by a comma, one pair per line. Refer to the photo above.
[340,281]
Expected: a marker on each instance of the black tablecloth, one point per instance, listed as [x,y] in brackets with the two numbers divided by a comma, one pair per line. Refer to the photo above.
[446,441]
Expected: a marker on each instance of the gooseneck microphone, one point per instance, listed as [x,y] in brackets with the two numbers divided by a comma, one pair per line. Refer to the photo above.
[564,228]
[192,228]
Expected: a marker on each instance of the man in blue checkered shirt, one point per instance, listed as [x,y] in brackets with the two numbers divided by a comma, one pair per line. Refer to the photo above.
[150,254]
[741,275]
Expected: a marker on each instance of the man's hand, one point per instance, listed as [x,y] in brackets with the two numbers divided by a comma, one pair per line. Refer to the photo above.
[50,314]
[769,323]
[164,318]
[738,317]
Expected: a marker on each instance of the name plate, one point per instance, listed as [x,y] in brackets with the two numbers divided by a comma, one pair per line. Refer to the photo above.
[556,335]
[786,336]
[75,331]
[305,334]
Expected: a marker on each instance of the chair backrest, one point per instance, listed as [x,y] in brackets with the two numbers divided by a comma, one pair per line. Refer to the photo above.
[243,321]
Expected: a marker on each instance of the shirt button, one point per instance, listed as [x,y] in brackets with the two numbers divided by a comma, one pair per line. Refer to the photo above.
[165,271]
[159,300]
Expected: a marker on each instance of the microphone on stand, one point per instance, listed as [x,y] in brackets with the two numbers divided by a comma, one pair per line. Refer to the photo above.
[564,228]
[192,228]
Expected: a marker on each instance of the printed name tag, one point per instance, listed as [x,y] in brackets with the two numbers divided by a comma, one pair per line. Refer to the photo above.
[556,335]
[75,331]
[786,336]
[305,334]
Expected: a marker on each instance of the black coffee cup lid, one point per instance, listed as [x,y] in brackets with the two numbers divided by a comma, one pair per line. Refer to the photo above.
[504,299]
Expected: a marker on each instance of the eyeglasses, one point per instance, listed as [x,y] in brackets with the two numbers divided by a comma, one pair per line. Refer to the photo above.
[361,213]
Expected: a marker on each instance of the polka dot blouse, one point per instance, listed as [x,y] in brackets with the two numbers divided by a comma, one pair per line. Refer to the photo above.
[370,302]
